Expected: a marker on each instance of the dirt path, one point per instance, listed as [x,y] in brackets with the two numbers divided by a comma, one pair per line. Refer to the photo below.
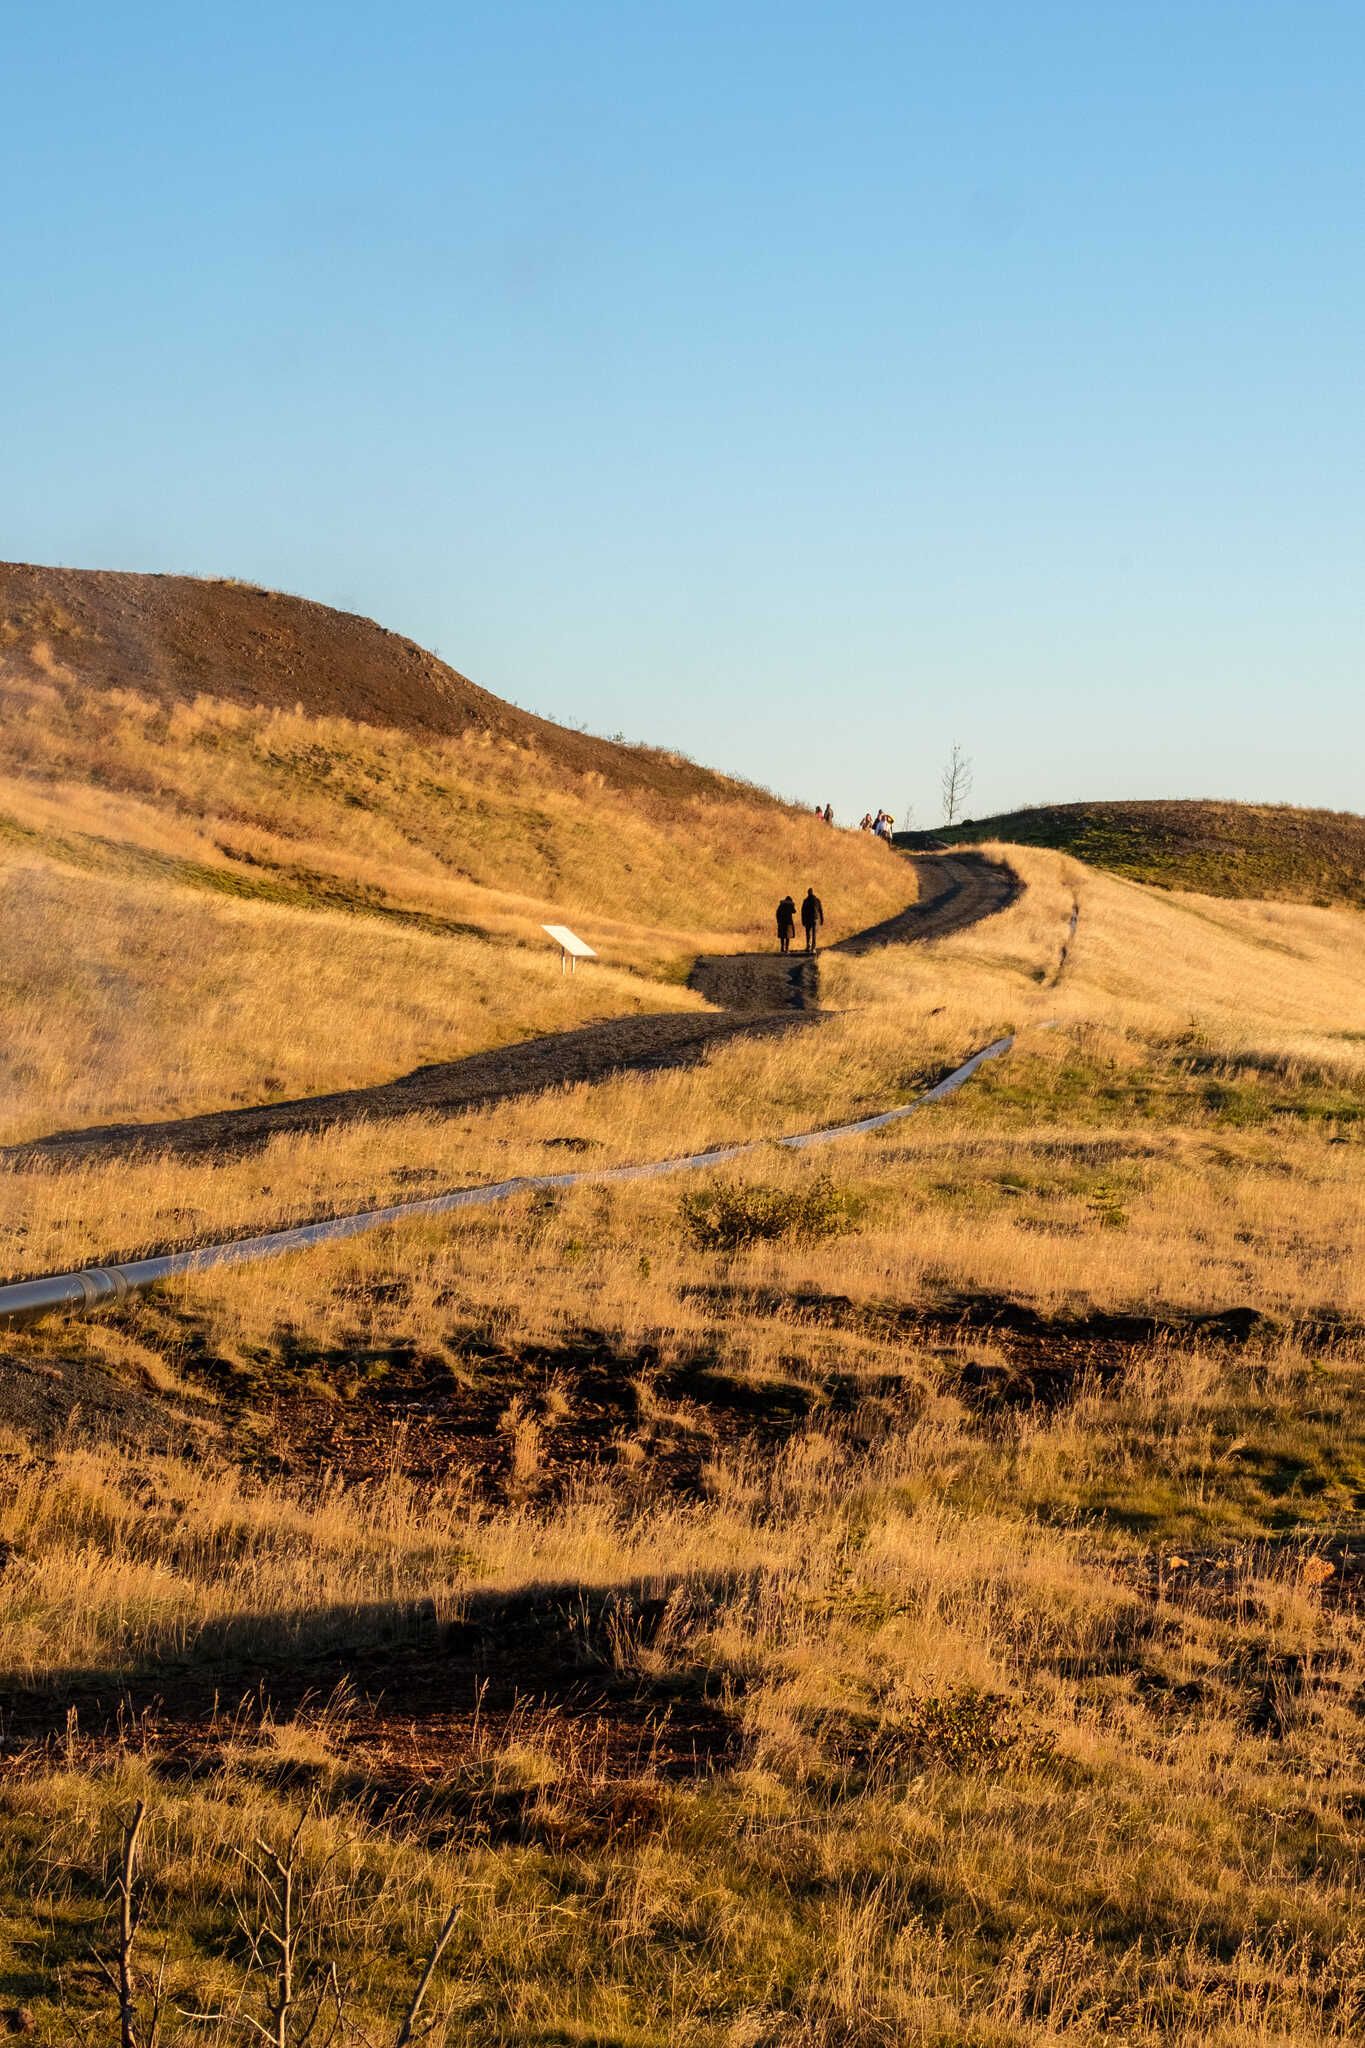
[956,890]
[757,994]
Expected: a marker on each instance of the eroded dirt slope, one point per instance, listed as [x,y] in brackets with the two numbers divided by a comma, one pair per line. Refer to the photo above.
[181,637]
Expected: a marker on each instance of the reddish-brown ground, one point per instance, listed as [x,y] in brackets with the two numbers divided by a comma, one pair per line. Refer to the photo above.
[180,637]
[407,1712]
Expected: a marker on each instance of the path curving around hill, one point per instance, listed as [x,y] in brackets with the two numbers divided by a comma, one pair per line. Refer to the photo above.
[756,994]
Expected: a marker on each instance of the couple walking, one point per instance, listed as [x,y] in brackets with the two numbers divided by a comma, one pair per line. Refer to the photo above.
[812,917]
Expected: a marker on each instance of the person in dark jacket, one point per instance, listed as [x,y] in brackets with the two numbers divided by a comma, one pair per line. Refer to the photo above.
[812,917]
[786,923]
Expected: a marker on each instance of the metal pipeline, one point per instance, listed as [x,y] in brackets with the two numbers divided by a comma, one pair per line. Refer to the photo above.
[103,1286]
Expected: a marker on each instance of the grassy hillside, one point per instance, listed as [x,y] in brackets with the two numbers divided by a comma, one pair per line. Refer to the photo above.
[945,1630]
[908,1592]
[1218,849]
[211,895]
[177,638]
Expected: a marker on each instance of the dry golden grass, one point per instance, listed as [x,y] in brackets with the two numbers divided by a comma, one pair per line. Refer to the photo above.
[466,829]
[207,906]
[1129,1088]
[1047,1717]
[128,999]
[988,1777]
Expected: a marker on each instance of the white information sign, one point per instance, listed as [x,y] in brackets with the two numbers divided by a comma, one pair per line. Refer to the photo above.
[572,948]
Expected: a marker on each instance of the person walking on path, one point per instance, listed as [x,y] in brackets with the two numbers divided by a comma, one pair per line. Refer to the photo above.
[812,917]
[786,923]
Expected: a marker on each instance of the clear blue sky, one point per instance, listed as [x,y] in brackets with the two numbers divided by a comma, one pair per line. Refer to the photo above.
[801,385]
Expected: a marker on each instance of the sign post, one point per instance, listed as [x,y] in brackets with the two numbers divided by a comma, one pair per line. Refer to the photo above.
[572,949]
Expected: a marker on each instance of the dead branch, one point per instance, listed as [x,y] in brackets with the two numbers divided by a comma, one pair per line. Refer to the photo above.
[405,2035]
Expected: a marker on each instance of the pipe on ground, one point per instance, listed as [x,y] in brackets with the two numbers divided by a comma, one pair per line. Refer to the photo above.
[105,1286]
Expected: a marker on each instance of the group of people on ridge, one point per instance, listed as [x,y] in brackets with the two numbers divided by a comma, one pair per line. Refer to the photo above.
[812,917]
[883,824]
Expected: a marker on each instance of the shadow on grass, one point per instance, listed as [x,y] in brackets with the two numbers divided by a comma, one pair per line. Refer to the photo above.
[387,1699]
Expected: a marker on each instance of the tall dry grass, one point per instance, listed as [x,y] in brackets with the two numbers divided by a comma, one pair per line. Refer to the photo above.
[1045,1719]
[125,999]
[207,906]
[467,827]
[992,1787]
[1143,1149]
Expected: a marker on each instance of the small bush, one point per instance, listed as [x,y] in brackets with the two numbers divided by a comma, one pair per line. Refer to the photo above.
[963,1728]
[731,1214]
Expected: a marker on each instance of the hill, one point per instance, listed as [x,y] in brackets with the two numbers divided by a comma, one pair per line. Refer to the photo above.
[1216,848]
[178,638]
[251,847]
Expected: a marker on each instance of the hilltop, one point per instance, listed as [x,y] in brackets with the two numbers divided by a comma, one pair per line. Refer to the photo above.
[1216,848]
[178,638]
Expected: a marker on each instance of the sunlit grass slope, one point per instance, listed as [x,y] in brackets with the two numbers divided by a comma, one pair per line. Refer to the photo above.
[125,998]
[1239,1027]
[210,899]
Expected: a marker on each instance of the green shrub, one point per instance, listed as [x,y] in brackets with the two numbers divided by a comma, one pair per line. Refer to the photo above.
[731,1214]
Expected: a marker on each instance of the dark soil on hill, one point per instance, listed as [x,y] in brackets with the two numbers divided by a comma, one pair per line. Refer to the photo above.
[413,1708]
[47,1398]
[175,638]
[1268,851]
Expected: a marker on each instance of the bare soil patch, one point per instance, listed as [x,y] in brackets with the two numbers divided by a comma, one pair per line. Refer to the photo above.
[424,1717]
[417,1717]
[46,1399]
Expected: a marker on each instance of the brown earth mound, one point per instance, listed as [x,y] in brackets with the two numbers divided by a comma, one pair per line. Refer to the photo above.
[176,638]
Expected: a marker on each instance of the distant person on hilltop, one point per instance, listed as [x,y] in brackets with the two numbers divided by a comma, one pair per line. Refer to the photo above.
[828,814]
[812,917]
[786,923]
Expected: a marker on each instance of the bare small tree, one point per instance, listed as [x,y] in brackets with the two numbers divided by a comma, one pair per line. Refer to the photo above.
[955,783]
[136,2028]
[300,1996]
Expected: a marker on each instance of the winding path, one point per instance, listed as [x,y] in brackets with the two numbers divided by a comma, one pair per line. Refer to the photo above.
[756,994]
